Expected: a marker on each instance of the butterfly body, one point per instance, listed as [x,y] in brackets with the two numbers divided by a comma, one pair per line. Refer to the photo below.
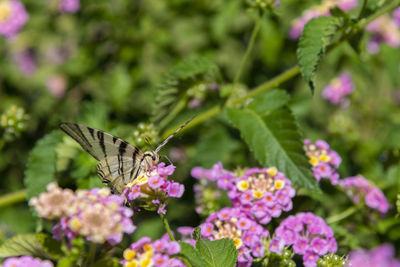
[119,162]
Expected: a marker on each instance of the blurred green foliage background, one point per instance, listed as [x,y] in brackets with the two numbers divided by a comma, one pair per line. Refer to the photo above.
[116,64]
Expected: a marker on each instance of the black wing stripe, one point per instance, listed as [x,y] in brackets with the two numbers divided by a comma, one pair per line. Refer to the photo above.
[122,147]
[100,135]
[91,131]
[81,135]
[135,152]
[114,139]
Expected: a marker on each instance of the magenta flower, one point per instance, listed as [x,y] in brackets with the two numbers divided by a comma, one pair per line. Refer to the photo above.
[57,85]
[95,214]
[318,11]
[12,17]
[236,225]
[383,30]
[309,235]
[25,261]
[338,88]
[153,188]
[262,193]
[69,6]
[157,253]
[323,159]
[379,256]
[358,188]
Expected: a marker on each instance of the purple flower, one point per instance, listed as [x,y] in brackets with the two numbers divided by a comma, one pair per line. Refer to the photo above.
[236,225]
[26,62]
[69,6]
[383,30]
[24,261]
[155,182]
[323,159]
[358,187]
[309,235]
[379,256]
[263,193]
[156,253]
[176,190]
[276,245]
[338,88]
[12,17]
[152,189]
[396,16]
[95,214]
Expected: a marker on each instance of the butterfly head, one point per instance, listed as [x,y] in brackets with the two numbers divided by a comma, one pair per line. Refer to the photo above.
[152,157]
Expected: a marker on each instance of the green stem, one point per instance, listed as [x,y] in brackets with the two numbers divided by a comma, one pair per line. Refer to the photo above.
[166,225]
[362,10]
[389,7]
[91,254]
[283,77]
[246,56]
[12,198]
[178,108]
[343,215]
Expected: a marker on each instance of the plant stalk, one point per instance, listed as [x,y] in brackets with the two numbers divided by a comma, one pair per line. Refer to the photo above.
[166,225]
[246,56]
[12,198]
[343,215]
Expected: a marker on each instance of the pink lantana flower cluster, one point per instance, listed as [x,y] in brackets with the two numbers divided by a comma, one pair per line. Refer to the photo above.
[379,256]
[94,214]
[338,88]
[323,159]
[69,6]
[308,235]
[236,225]
[12,17]
[318,11]
[262,193]
[26,261]
[359,188]
[153,188]
[384,30]
[156,253]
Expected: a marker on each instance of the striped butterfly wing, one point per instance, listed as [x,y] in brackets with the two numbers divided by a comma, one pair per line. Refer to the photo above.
[119,161]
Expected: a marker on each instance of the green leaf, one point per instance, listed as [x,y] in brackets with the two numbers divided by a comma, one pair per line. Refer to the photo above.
[192,254]
[275,141]
[316,36]
[218,253]
[270,100]
[41,166]
[37,245]
[179,79]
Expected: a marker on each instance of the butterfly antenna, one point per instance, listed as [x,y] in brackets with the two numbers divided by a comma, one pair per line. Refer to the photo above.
[172,135]
[165,156]
[148,141]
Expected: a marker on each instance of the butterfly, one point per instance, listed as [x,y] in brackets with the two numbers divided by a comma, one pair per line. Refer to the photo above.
[119,162]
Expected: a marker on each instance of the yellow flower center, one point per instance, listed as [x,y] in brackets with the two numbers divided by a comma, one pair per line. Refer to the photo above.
[75,224]
[243,185]
[314,161]
[272,171]
[146,263]
[141,180]
[133,263]
[5,10]
[129,254]
[238,242]
[147,247]
[279,184]
[324,158]
[258,194]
